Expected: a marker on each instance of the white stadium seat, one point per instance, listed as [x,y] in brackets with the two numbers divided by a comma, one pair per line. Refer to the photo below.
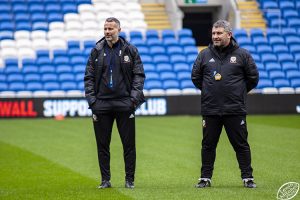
[38,34]
[22,35]
[39,44]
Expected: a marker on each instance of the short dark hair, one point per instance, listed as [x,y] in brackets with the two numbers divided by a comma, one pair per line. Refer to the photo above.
[223,24]
[113,19]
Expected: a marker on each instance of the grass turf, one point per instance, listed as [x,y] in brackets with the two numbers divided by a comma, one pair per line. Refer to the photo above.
[48,159]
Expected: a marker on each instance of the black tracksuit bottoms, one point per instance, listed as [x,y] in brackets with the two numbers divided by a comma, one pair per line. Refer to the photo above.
[103,129]
[236,129]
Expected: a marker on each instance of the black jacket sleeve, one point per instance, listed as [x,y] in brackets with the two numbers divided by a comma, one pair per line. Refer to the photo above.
[138,78]
[251,73]
[197,72]
[89,78]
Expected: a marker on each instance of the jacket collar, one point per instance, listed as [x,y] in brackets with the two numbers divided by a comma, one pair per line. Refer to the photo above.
[123,42]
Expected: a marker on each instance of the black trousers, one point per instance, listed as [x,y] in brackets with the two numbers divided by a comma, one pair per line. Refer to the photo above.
[103,124]
[236,129]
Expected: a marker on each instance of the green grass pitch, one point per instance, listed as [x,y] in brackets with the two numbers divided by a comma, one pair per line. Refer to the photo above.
[48,159]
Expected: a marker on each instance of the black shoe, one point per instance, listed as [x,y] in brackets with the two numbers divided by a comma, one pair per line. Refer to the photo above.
[249,183]
[104,184]
[203,183]
[129,184]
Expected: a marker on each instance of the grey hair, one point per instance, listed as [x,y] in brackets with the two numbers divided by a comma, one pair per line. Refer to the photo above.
[223,24]
[113,19]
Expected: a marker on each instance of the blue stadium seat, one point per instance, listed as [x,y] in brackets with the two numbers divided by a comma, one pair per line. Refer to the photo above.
[66,77]
[167,33]
[7,26]
[153,84]
[268,58]
[77,60]
[135,35]
[276,40]
[53,8]
[140,43]
[47,68]
[61,60]
[191,58]
[73,44]
[185,84]
[250,48]
[286,5]
[160,59]
[74,52]
[264,49]
[185,32]
[80,69]
[285,57]
[279,83]
[240,33]
[187,41]
[289,66]
[163,67]
[11,70]
[49,77]
[295,83]
[15,77]
[289,32]
[55,17]
[171,42]
[168,76]
[123,34]
[2,78]
[80,86]
[146,59]
[153,41]
[260,41]
[143,50]
[50,86]
[263,74]
[264,83]
[3,86]
[152,76]
[33,8]
[244,41]
[68,85]
[174,50]
[59,52]
[177,58]
[63,68]
[256,32]
[32,77]
[38,17]
[4,35]
[289,14]
[16,86]
[68,8]
[292,40]
[294,22]
[149,68]
[171,84]
[11,62]
[157,50]
[271,66]
[276,75]
[22,17]
[260,66]
[190,50]
[30,69]
[273,32]
[43,61]
[280,49]
[23,26]
[43,26]
[277,23]
[34,86]
[179,67]
[183,75]
[294,48]
[293,74]
[79,77]
[20,8]
[152,34]
[269,5]
[42,53]
[89,44]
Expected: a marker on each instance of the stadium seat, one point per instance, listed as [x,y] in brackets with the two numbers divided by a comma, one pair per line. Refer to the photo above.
[167,33]
[34,86]
[276,75]
[30,77]
[295,83]
[170,84]
[179,67]
[15,77]
[153,84]
[176,58]
[160,59]
[271,66]
[280,49]
[184,33]
[157,50]
[63,68]
[187,41]
[163,67]
[50,86]
[268,58]
[293,74]
[168,76]
[278,83]
[152,34]
[263,83]
[184,84]
[68,85]
[149,68]
[264,49]
[174,50]
[152,76]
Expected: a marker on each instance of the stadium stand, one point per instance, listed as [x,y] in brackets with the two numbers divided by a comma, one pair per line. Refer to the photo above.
[44,46]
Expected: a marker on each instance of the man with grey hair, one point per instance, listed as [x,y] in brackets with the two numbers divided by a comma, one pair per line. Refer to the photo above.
[224,73]
[114,80]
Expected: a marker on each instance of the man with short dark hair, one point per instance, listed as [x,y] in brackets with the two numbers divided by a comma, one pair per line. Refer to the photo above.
[114,81]
[224,73]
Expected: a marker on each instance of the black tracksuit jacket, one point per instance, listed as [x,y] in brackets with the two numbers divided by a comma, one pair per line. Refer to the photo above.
[131,68]
[239,75]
